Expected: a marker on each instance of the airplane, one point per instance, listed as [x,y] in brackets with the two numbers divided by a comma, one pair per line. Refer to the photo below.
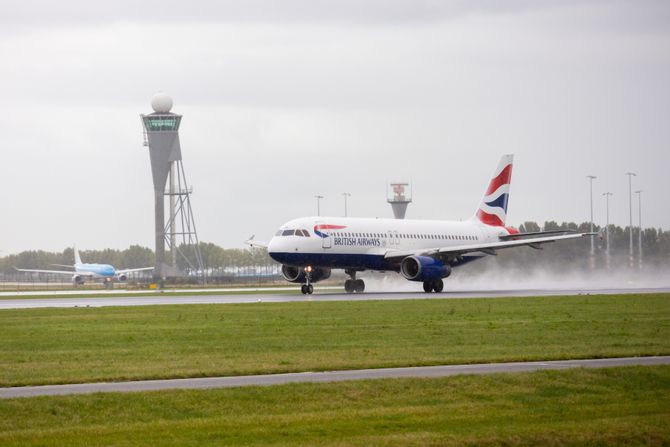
[84,271]
[424,251]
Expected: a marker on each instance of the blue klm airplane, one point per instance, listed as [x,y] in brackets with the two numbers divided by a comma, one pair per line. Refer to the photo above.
[95,272]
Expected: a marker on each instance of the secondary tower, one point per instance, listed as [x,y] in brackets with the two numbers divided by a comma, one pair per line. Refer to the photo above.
[399,200]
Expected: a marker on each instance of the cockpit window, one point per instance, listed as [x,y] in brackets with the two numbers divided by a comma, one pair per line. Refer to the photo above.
[288,233]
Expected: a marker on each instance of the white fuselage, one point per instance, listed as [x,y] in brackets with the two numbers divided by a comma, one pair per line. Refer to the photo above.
[361,243]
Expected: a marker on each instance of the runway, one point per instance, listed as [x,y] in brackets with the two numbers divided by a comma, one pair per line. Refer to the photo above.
[328,376]
[272,296]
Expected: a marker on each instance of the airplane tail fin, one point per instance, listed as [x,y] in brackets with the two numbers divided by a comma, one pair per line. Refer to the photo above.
[77,259]
[493,207]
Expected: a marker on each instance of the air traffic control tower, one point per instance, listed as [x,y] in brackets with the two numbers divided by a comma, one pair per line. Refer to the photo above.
[161,135]
[399,200]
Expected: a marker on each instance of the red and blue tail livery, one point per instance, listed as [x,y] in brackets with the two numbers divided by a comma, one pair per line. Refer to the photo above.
[493,207]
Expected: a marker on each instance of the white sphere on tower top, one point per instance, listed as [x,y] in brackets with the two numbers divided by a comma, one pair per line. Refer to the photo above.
[161,103]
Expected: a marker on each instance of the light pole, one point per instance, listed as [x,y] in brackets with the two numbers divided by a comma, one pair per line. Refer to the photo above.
[639,201]
[345,194]
[607,226]
[318,204]
[591,178]
[630,209]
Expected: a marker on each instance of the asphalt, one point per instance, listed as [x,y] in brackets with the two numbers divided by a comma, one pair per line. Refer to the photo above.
[328,376]
[272,296]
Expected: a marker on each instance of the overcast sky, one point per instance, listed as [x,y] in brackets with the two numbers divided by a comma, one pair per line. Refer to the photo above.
[287,99]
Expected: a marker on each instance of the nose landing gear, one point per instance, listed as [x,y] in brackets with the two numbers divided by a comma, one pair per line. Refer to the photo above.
[353,285]
[307,288]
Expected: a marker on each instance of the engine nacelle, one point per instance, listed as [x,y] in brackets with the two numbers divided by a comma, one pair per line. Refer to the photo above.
[122,277]
[424,268]
[297,274]
[77,280]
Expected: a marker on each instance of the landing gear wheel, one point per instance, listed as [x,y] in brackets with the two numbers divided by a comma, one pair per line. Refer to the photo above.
[428,286]
[359,286]
[438,286]
[349,286]
[303,289]
[310,289]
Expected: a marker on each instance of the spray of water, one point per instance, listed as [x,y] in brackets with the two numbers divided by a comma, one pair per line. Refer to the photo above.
[491,274]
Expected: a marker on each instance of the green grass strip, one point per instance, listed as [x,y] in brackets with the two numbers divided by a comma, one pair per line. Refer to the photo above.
[617,406]
[49,346]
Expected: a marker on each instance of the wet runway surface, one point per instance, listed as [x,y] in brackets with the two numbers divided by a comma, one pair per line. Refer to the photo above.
[272,296]
[328,376]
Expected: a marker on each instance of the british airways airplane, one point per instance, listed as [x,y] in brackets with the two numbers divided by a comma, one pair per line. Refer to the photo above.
[420,250]
[96,272]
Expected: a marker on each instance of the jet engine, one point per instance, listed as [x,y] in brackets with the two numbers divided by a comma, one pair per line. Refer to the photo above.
[122,277]
[77,280]
[424,268]
[298,275]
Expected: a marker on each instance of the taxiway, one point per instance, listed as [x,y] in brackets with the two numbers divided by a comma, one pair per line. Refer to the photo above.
[327,376]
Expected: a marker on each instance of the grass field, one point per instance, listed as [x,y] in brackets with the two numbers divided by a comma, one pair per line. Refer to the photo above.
[43,346]
[618,406]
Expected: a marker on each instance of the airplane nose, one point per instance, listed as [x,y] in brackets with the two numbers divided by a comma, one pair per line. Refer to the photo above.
[272,245]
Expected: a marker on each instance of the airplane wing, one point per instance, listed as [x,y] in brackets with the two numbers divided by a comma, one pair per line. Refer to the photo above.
[56,272]
[141,269]
[254,243]
[488,248]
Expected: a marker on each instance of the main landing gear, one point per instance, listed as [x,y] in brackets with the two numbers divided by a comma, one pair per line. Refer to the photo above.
[307,288]
[435,285]
[353,285]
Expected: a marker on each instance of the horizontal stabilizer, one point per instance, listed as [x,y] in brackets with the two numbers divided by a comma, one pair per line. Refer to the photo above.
[254,243]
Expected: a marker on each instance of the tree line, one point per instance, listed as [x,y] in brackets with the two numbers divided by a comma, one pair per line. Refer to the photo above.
[216,259]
